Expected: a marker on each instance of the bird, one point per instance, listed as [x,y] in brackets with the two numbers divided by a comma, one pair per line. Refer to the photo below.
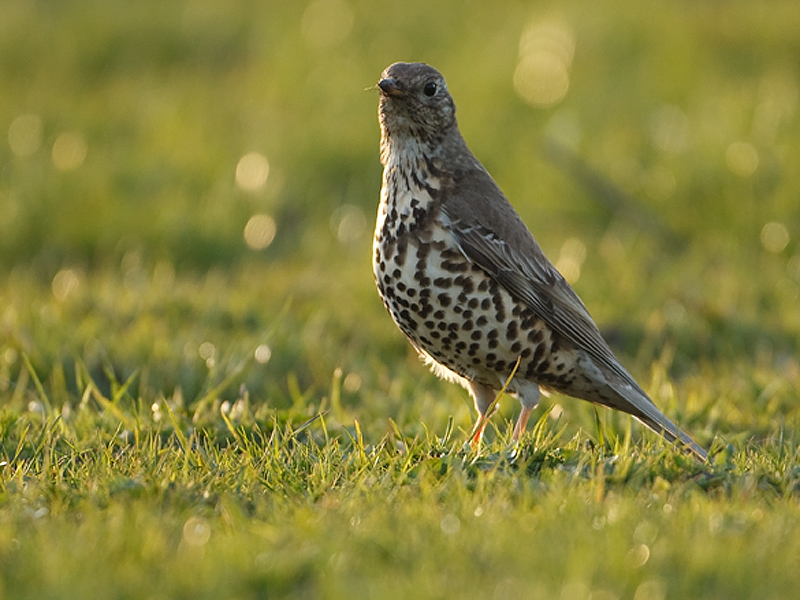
[467,283]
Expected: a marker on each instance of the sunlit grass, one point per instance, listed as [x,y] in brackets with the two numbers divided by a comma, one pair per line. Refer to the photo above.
[202,396]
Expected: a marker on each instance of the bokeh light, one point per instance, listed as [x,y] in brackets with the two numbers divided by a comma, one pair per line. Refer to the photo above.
[25,135]
[196,531]
[348,223]
[774,237]
[208,352]
[259,231]
[262,354]
[741,159]
[65,283]
[352,382]
[570,259]
[69,151]
[670,129]
[252,171]
[546,51]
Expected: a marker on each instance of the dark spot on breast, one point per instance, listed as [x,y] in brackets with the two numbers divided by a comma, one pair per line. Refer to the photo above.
[535,336]
[443,282]
[511,330]
[538,355]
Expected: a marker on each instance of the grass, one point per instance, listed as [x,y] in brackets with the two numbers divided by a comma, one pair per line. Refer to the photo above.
[186,415]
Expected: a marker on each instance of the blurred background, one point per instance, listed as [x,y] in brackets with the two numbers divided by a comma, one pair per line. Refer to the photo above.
[187,193]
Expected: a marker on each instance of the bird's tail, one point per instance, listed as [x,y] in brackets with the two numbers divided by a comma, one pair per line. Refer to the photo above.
[635,402]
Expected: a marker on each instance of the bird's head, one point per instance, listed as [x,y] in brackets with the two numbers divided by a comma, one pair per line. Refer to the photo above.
[414,101]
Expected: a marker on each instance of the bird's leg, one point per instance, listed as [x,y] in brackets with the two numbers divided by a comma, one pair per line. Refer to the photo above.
[522,422]
[476,437]
[483,396]
[528,394]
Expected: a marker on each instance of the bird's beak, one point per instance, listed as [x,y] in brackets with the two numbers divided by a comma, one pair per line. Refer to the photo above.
[390,87]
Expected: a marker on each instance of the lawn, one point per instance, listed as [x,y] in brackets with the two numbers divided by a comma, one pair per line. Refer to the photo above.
[201,395]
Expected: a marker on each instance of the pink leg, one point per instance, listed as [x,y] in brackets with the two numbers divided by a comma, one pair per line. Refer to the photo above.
[528,394]
[522,422]
[483,397]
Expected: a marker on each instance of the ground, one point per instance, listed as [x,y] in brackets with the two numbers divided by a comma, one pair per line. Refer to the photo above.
[202,396]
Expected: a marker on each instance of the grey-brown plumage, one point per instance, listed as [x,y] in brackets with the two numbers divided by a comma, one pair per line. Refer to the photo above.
[465,280]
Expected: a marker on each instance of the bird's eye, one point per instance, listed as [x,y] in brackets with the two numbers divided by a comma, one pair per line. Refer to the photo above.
[429,89]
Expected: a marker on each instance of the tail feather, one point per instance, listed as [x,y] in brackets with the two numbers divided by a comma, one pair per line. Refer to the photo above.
[638,404]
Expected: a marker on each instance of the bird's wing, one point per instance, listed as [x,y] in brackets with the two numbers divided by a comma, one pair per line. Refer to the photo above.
[490,233]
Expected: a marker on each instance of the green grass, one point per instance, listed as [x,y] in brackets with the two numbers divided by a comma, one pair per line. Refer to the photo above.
[182,416]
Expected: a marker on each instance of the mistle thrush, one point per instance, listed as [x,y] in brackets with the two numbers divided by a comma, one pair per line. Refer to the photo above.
[465,280]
